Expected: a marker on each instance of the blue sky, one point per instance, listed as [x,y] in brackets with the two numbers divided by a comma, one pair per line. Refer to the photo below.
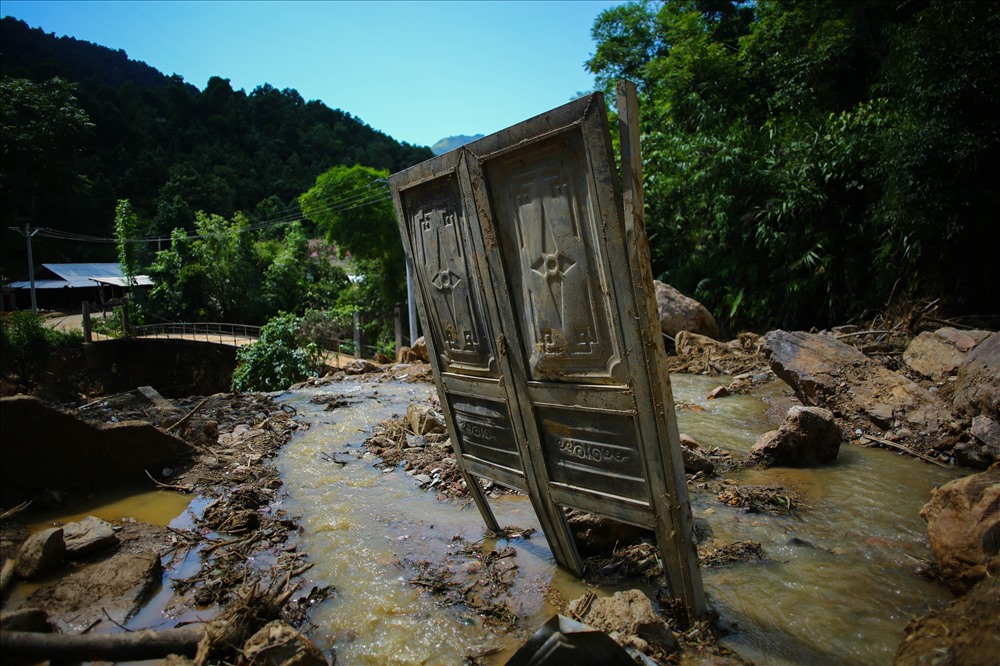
[418,71]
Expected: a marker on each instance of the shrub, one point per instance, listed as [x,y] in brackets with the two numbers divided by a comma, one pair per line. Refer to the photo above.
[27,344]
[278,359]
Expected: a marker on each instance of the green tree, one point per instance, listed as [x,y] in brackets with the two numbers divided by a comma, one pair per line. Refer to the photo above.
[803,161]
[42,131]
[126,233]
[353,208]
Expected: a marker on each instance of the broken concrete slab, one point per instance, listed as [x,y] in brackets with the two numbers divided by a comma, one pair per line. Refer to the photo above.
[61,451]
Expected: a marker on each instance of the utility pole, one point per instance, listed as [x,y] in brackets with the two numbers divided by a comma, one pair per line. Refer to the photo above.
[28,233]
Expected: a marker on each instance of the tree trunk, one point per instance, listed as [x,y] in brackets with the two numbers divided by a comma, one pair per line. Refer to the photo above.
[130,646]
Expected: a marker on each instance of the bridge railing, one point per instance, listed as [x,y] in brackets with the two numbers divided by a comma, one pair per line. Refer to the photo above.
[220,332]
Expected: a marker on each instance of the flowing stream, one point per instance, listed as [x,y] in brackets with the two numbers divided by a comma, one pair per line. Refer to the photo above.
[837,584]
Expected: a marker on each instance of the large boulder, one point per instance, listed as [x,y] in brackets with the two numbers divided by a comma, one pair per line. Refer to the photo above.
[977,390]
[938,354]
[681,313]
[809,436]
[825,372]
[963,526]
[966,632]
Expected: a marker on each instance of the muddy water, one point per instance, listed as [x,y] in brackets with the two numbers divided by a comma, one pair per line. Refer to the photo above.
[837,584]
[366,530]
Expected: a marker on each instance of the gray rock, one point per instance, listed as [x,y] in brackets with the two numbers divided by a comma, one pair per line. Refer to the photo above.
[415,441]
[41,553]
[809,436]
[678,312]
[987,431]
[87,536]
[977,389]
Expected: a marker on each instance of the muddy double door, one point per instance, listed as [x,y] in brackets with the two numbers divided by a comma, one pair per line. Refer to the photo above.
[535,294]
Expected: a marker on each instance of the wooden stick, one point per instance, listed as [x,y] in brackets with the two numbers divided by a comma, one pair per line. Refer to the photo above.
[187,416]
[167,486]
[904,449]
[6,576]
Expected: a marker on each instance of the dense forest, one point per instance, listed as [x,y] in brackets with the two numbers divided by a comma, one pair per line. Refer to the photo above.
[84,127]
[810,163]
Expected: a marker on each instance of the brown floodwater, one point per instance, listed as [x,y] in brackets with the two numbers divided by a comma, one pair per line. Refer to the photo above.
[837,584]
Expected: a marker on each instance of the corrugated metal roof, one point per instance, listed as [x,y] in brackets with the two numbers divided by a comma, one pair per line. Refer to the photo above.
[80,275]
[73,272]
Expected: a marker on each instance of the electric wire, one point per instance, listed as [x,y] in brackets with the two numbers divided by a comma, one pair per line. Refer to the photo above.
[374,192]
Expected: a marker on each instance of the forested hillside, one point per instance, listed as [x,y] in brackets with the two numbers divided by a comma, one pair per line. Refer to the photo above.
[807,163]
[83,127]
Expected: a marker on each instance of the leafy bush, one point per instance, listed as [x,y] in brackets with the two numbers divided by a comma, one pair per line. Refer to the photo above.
[278,359]
[27,344]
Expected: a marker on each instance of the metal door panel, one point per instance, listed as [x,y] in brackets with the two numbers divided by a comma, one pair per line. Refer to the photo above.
[593,451]
[485,432]
[545,218]
[533,291]
[438,230]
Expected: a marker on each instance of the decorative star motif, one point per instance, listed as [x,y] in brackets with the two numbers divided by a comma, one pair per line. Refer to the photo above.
[553,264]
[445,279]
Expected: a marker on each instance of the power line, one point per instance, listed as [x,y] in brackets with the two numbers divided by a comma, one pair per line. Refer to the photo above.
[373,192]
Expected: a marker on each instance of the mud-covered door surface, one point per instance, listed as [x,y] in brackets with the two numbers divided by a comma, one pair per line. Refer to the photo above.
[532,293]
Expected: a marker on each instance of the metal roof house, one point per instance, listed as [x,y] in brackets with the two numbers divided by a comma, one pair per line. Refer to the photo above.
[67,285]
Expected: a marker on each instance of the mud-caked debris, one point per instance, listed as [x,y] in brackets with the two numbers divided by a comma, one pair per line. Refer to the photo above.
[629,618]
